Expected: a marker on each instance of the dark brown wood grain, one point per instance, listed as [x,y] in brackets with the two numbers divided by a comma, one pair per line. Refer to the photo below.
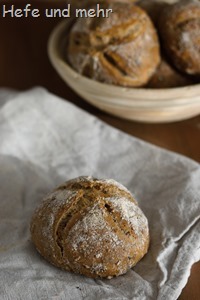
[24,64]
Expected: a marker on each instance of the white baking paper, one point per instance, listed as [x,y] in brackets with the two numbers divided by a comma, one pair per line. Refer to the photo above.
[44,141]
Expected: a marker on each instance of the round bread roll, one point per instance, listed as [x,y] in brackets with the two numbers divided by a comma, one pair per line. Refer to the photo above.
[91,227]
[168,77]
[122,49]
[179,27]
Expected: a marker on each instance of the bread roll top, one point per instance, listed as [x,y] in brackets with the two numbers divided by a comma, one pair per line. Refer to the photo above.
[92,227]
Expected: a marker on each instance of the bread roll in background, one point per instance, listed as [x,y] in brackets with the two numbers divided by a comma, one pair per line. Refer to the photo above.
[179,27]
[91,227]
[168,77]
[122,49]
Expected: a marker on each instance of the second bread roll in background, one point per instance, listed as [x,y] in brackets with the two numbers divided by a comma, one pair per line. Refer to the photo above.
[179,27]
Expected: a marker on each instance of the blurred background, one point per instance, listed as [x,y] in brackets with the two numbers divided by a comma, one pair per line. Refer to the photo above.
[24,63]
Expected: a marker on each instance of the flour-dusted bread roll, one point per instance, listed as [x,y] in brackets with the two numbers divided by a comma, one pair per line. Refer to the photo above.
[179,27]
[91,227]
[122,49]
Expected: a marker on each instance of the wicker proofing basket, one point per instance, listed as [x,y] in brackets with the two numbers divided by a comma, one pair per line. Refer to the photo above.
[139,104]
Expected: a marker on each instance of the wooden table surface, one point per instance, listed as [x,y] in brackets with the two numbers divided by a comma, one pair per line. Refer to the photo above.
[24,64]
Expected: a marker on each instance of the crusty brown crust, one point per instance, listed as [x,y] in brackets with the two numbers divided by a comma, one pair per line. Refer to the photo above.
[122,49]
[91,227]
[179,27]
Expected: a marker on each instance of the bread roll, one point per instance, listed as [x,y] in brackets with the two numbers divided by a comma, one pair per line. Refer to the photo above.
[91,227]
[179,27]
[122,49]
[168,77]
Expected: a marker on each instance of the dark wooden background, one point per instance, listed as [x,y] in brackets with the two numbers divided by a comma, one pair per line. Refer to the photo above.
[24,64]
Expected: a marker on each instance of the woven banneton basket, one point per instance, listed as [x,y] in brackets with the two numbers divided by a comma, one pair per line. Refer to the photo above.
[139,104]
